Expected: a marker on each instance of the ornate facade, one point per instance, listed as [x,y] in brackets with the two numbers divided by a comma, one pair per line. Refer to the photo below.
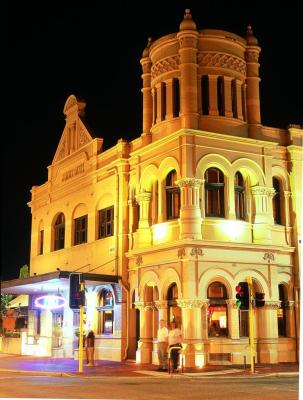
[204,198]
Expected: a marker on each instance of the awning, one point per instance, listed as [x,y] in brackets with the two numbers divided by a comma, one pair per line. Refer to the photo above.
[52,282]
[19,301]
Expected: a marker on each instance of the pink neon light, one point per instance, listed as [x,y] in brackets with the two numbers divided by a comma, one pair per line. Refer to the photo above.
[50,302]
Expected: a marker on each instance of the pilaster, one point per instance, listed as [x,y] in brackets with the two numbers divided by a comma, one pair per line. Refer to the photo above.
[190,213]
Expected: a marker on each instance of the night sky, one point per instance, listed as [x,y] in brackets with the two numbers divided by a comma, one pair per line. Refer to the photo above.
[93,49]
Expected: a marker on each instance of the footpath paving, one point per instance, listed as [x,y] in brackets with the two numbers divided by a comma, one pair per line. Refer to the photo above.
[36,366]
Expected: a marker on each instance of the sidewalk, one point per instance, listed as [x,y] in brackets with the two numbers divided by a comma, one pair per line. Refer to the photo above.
[29,365]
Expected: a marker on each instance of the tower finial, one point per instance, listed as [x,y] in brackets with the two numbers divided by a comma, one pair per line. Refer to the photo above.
[250,38]
[188,23]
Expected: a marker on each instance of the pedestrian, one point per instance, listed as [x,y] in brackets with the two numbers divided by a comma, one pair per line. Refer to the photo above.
[162,337]
[175,341]
[90,347]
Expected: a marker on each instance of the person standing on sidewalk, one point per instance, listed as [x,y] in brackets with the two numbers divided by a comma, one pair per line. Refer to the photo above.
[90,347]
[175,341]
[162,345]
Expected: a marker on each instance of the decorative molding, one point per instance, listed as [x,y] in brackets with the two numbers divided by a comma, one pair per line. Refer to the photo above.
[165,65]
[139,260]
[181,253]
[139,305]
[262,191]
[252,56]
[196,251]
[83,138]
[272,305]
[190,182]
[190,303]
[161,304]
[222,60]
[150,306]
[269,257]
[287,194]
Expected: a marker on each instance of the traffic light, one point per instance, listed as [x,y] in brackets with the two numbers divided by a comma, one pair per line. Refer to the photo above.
[242,296]
[76,295]
[259,299]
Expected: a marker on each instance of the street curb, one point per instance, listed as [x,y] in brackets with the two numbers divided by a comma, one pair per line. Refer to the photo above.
[218,374]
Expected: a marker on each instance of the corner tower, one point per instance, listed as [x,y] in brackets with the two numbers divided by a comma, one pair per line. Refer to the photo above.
[201,79]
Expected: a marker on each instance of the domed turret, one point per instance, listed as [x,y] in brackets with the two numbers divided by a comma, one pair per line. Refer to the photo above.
[188,23]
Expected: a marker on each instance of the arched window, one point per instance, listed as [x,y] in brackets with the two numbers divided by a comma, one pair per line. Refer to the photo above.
[163,101]
[220,95]
[217,310]
[172,196]
[214,193]
[205,95]
[276,205]
[239,196]
[174,312]
[282,311]
[59,232]
[155,105]
[234,98]
[106,312]
[176,98]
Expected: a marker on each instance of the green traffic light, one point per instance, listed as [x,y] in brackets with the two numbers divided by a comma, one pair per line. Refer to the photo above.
[238,303]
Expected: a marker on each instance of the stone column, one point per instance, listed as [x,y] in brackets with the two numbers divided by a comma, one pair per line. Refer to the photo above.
[213,95]
[267,333]
[262,219]
[228,111]
[147,95]
[162,309]
[233,319]
[287,196]
[144,199]
[252,80]
[145,345]
[191,329]
[188,37]
[190,212]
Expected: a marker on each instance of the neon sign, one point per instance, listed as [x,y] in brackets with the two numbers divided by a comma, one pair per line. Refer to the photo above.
[50,302]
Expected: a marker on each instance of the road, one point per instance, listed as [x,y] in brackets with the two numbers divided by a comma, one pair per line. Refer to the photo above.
[149,388]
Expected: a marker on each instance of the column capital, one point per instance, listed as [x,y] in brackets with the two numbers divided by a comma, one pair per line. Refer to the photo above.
[191,303]
[161,304]
[262,191]
[272,305]
[287,194]
[190,182]
[139,305]
[143,196]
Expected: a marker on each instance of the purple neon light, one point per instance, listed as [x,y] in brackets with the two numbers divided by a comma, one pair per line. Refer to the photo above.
[50,302]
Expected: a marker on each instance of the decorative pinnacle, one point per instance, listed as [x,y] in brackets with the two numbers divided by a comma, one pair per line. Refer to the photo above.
[250,38]
[188,23]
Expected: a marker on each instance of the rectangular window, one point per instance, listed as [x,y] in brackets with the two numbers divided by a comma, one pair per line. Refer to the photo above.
[106,222]
[80,230]
[173,203]
[41,239]
[108,321]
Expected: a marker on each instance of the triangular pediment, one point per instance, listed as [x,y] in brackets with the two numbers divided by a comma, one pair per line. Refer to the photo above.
[75,134]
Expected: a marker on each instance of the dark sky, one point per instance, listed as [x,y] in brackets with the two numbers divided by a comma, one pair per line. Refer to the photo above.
[92,49]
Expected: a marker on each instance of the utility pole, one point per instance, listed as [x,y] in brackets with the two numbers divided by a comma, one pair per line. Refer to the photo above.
[81,332]
[251,324]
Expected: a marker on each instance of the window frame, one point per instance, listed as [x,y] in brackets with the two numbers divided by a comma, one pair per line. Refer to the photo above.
[213,189]
[80,230]
[173,197]
[106,225]
[59,232]
[240,197]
